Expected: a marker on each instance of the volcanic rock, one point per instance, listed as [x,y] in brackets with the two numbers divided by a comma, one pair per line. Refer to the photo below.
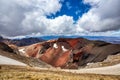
[5,47]
[71,52]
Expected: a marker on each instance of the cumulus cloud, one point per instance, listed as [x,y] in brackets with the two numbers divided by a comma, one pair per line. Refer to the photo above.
[28,18]
[23,17]
[103,16]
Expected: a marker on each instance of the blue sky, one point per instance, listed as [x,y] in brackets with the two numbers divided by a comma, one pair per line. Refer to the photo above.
[21,18]
[75,8]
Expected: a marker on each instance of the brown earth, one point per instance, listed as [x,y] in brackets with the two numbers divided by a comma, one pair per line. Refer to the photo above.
[28,73]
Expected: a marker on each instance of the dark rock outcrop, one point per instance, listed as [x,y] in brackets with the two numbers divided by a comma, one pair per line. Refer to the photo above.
[5,47]
[1,38]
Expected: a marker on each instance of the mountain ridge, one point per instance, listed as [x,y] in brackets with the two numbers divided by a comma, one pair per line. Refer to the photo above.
[21,42]
[71,52]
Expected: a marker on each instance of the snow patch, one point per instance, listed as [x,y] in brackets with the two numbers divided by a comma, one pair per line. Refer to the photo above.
[55,45]
[22,50]
[63,48]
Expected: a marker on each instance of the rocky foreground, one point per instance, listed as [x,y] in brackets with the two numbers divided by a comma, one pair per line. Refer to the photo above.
[27,73]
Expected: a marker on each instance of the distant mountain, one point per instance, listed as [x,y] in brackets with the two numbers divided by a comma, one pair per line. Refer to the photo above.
[111,39]
[32,40]
[21,42]
[26,41]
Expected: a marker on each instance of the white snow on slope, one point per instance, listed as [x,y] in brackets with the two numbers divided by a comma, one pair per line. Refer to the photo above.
[22,50]
[63,48]
[8,61]
[55,45]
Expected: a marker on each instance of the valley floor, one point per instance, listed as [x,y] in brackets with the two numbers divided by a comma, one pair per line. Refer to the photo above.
[109,70]
[28,73]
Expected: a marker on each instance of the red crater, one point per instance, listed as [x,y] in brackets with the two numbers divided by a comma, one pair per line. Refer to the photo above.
[71,52]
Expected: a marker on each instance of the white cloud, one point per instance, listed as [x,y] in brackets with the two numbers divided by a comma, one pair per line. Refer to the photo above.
[19,18]
[23,17]
[62,24]
[104,17]
[92,2]
[28,18]
[68,5]
[77,12]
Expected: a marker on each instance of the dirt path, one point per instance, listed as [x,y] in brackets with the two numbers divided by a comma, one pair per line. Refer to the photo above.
[110,70]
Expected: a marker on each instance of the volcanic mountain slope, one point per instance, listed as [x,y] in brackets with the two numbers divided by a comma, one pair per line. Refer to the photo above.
[70,52]
[12,56]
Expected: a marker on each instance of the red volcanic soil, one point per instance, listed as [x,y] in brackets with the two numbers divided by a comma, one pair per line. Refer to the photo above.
[48,55]
[63,59]
[33,50]
[71,52]
[73,42]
